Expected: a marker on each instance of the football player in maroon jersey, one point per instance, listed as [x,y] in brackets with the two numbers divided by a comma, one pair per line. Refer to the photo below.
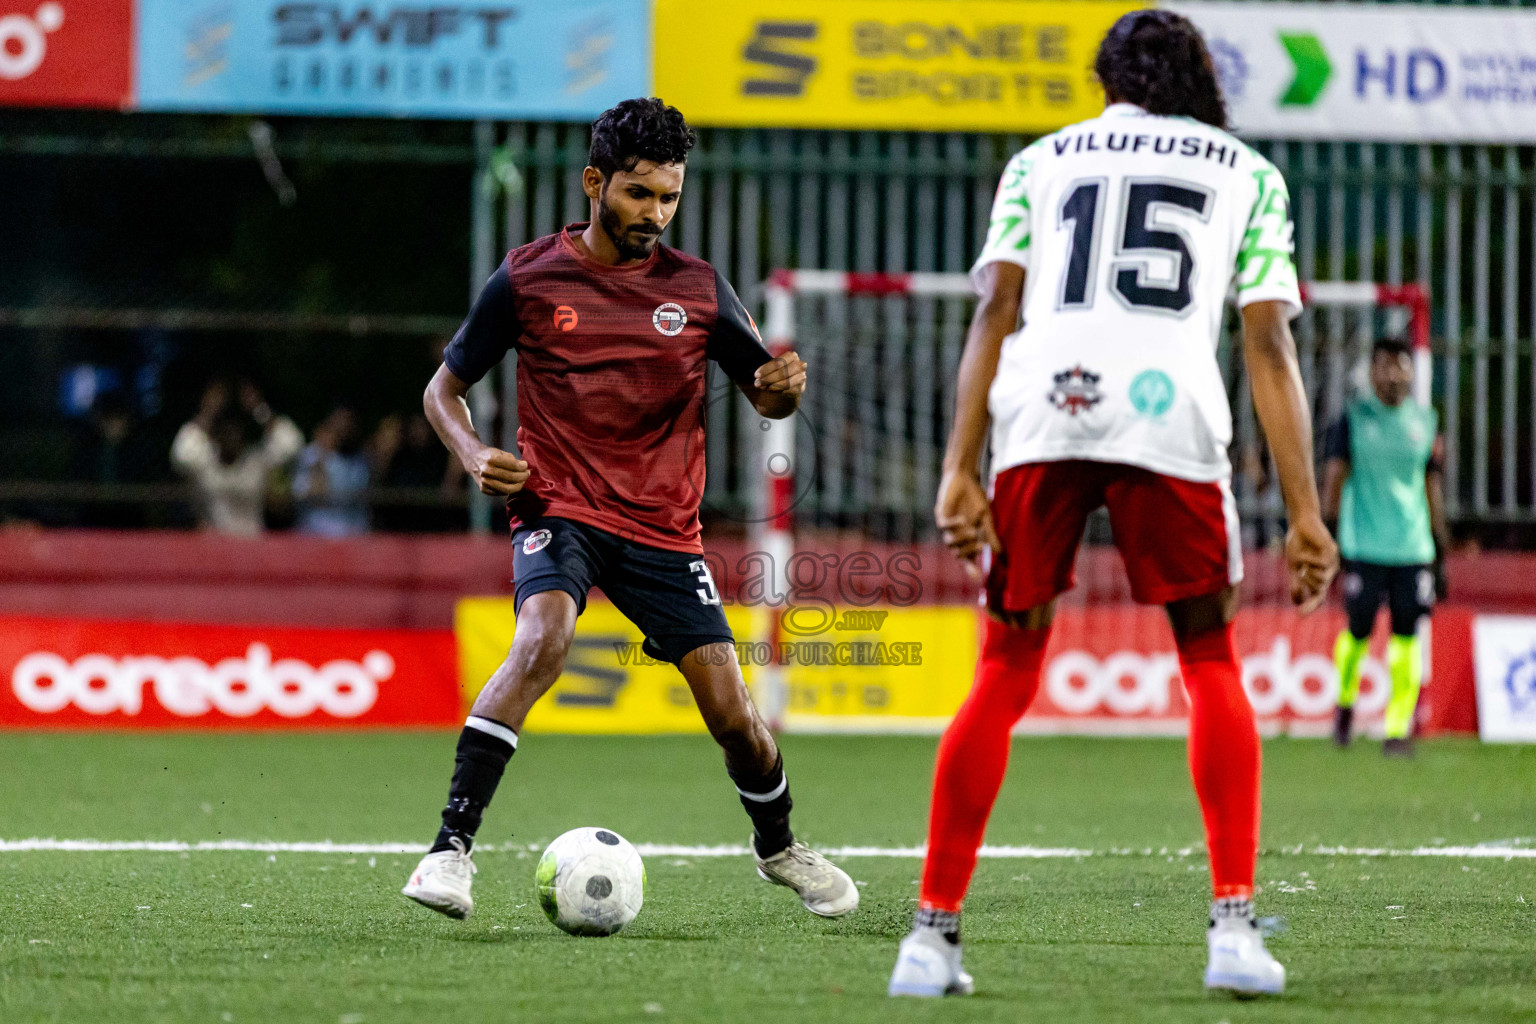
[613,333]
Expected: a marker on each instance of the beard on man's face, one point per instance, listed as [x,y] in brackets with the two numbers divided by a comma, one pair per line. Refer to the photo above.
[632,244]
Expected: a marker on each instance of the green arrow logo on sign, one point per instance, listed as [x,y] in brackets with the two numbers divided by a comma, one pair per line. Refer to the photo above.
[1313,69]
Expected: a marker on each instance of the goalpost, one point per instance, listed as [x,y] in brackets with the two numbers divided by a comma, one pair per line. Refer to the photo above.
[790,295]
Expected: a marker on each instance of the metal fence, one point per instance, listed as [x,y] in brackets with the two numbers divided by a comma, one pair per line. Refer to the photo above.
[1458,219]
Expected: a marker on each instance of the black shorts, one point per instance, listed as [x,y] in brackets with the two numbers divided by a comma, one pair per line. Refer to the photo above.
[670,595]
[1409,590]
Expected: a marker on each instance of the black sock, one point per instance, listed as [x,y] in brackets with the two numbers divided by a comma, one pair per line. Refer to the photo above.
[947,922]
[485,747]
[766,798]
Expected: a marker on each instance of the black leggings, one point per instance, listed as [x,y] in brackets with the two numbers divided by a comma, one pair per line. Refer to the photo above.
[1409,591]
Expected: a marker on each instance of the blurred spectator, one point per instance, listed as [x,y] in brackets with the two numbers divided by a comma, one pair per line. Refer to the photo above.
[229,451]
[408,454]
[113,449]
[330,482]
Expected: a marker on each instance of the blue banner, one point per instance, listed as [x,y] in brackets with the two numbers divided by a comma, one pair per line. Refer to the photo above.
[525,59]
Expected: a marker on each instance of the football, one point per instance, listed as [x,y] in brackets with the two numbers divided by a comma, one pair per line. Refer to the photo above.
[590,881]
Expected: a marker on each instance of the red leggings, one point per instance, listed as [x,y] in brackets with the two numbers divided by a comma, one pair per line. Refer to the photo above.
[973,757]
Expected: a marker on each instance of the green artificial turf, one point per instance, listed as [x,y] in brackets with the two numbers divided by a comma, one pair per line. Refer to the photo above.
[1113,936]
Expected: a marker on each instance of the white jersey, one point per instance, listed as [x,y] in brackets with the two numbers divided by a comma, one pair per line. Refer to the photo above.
[1132,229]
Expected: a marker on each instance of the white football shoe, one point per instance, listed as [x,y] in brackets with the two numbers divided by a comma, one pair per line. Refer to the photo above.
[1239,962]
[927,964]
[442,881]
[824,888]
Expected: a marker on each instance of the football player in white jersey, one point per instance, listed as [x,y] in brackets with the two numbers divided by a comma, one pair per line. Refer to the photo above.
[1119,239]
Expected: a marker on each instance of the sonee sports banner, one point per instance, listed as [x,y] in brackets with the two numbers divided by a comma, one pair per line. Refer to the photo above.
[932,65]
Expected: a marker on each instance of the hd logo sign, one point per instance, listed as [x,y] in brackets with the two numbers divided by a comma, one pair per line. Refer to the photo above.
[918,64]
[1404,72]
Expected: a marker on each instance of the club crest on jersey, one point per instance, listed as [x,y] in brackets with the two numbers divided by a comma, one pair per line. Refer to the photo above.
[1076,390]
[1152,394]
[538,540]
[670,319]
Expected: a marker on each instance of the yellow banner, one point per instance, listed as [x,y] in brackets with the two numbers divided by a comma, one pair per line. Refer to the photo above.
[940,65]
[888,669]
[608,685]
[901,668]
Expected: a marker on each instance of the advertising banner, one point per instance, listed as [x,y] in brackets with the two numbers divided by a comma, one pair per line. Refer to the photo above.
[1115,670]
[1110,669]
[608,686]
[846,669]
[66,53]
[1504,647]
[1400,72]
[536,59]
[70,673]
[991,65]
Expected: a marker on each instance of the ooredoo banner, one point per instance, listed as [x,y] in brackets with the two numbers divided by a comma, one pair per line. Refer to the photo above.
[524,59]
[67,673]
[1115,670]
[66,53]
[1408,72]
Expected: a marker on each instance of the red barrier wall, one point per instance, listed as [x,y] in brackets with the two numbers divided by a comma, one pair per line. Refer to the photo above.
[393,582]
[404,583]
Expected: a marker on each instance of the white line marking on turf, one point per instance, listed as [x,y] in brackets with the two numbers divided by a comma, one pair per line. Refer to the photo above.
[1496,851]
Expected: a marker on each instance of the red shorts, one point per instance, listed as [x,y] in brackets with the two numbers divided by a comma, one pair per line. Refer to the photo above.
[1179,538]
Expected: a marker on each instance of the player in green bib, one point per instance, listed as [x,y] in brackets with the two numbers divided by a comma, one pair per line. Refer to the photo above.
[1383,485]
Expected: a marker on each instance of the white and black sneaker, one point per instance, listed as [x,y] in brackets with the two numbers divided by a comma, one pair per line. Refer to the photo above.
[442,881]
[824,888]
[1238,960]
[928,964]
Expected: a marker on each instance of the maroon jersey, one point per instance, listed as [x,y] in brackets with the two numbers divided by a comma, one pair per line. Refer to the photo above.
[611,378]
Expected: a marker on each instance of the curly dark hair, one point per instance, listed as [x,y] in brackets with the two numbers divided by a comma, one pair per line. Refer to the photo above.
[639,129]
[1157,60]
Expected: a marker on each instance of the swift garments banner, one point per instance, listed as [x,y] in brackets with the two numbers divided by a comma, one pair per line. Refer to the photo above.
[521,59]
[1365,71]
[990,65]
[67,673]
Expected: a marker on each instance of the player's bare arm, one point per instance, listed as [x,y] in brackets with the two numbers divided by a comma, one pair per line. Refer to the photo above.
[962,511]
[1311,556]
[777,386]
[495,471]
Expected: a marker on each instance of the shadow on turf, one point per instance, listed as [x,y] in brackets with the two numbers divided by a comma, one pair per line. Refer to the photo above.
[552,933]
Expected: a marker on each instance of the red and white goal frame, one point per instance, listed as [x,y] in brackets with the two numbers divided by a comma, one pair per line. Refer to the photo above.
[775,532]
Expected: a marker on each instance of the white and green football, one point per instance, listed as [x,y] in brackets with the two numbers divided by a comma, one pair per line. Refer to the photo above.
[590,881]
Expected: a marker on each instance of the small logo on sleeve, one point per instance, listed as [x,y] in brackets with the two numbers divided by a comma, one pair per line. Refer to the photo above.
[566,318]
[670,319]
[538,540]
